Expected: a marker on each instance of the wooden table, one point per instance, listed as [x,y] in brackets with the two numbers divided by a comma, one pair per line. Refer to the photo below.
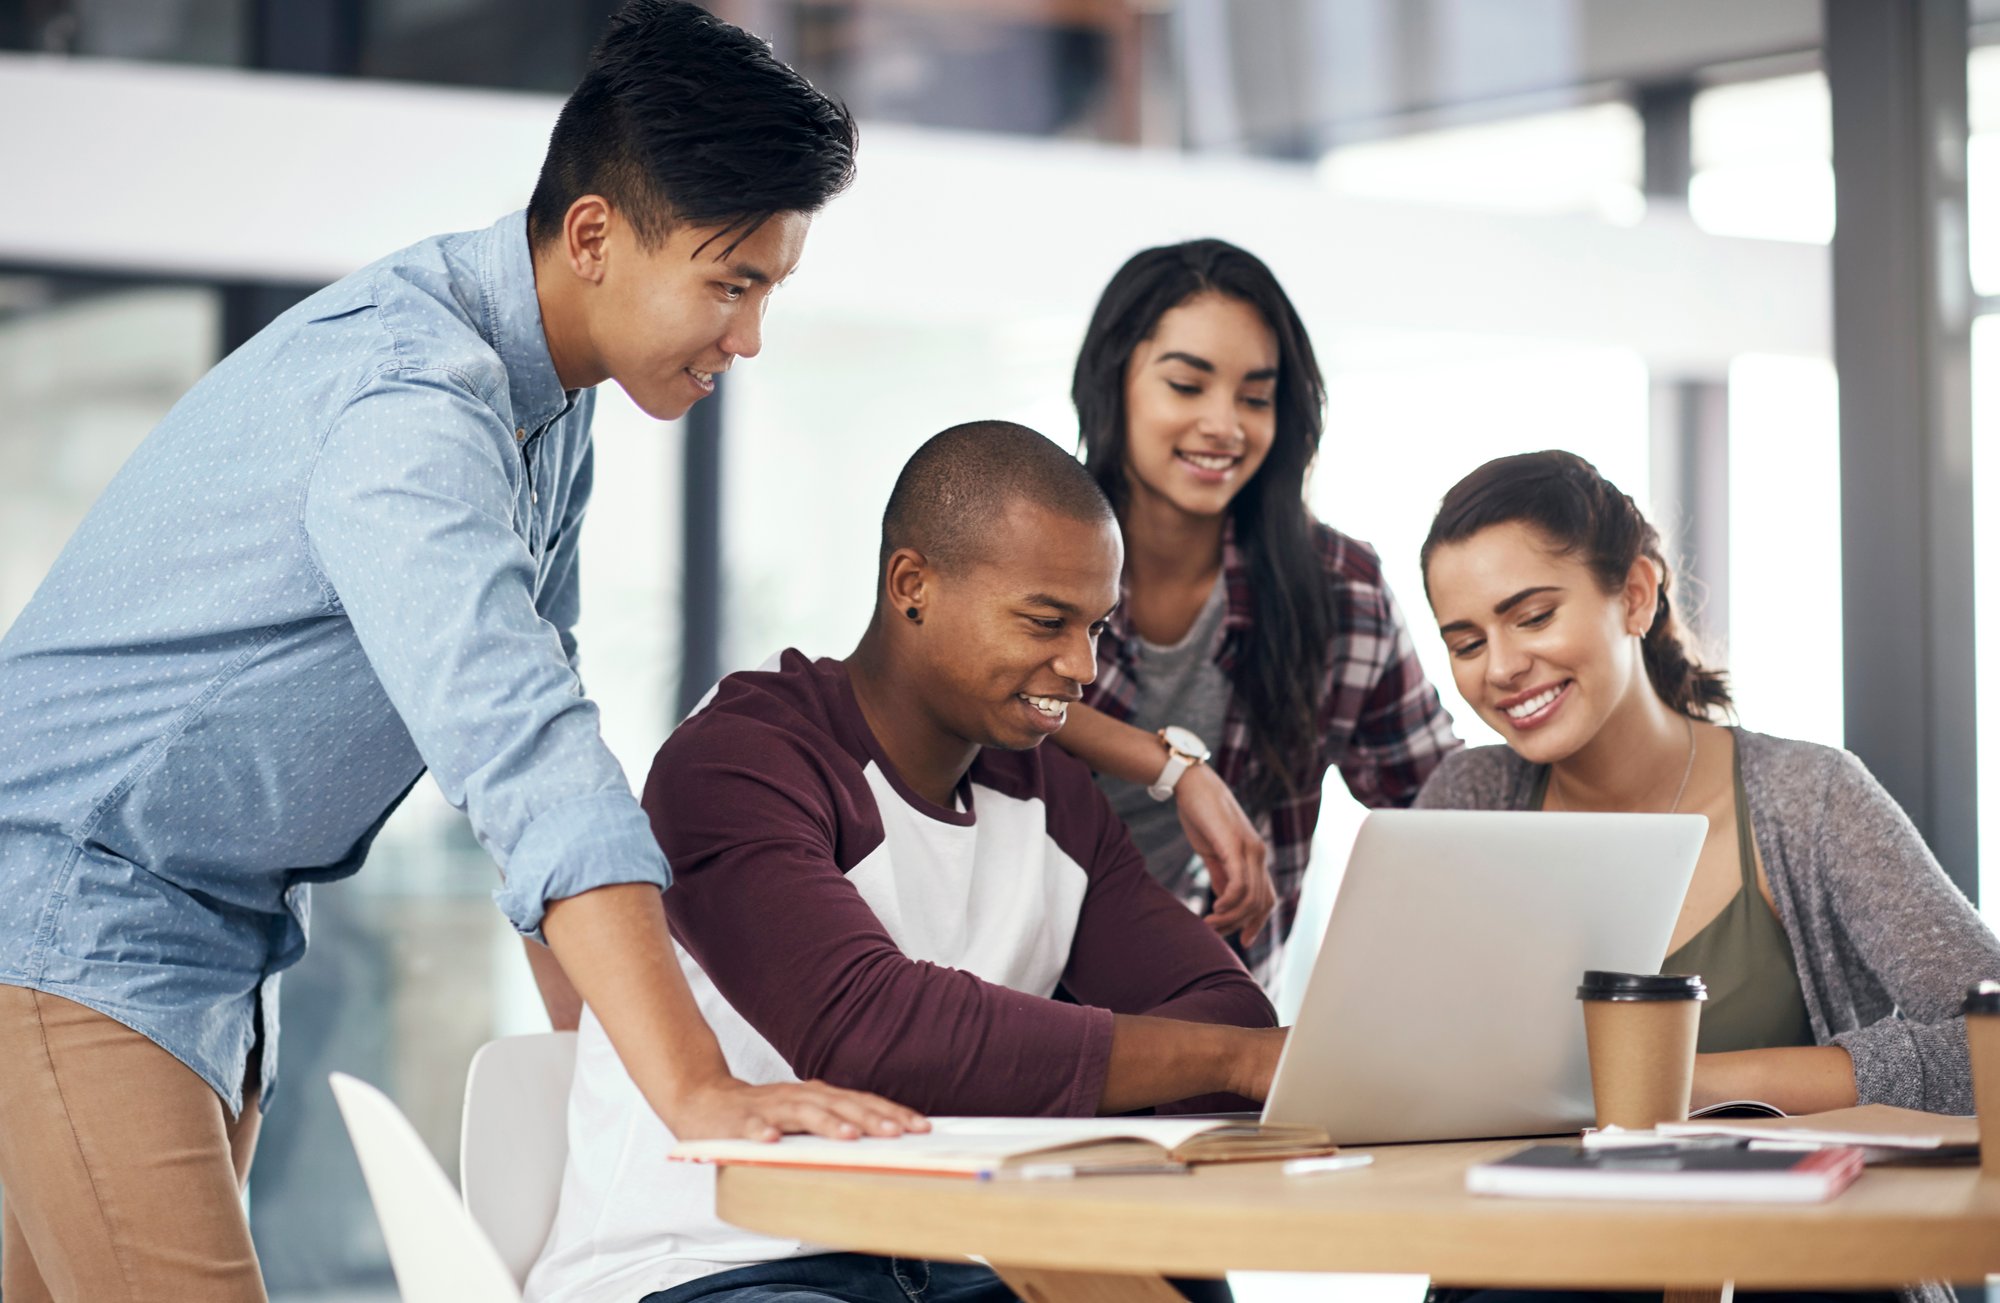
[1112,1239]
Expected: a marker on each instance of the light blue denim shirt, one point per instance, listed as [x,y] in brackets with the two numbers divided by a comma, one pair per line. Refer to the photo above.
[346,555]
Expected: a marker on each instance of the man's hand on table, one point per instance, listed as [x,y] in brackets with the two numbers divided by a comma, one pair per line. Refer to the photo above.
[613,946]
[732,1109]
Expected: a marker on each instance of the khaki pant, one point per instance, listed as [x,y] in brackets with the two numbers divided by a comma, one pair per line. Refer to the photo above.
[121,1172]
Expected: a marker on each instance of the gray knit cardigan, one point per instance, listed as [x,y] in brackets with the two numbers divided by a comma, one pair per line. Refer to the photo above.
[1884,943]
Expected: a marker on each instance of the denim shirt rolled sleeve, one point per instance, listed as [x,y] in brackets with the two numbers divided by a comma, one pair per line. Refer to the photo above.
[412,515]
[584,843]
[346,556]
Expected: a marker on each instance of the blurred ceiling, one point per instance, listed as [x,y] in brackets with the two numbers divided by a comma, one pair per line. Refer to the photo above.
[1274,77]
[1281,77]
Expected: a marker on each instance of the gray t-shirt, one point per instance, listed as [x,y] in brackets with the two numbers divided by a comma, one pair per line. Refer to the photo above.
[1177,685]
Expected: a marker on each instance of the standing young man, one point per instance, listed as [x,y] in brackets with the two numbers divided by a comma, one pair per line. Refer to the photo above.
[348,555]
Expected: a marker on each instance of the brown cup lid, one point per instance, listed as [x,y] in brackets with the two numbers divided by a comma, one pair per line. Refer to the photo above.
[1599,985]
[1982,997]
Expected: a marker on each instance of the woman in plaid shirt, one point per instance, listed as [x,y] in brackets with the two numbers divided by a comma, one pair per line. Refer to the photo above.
[1255,646]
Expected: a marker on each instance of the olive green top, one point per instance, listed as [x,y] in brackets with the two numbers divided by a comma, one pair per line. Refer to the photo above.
[1885,945]
[1742,956]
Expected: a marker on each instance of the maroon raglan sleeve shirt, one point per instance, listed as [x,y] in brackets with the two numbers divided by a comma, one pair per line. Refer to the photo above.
[878,941]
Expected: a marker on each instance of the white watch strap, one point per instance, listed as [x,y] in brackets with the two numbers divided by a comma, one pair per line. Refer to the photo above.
[1170,774]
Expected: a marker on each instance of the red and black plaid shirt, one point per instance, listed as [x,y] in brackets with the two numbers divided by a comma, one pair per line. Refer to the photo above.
[1380,719]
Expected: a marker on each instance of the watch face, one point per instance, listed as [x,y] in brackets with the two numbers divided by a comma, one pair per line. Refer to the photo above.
[1182,740]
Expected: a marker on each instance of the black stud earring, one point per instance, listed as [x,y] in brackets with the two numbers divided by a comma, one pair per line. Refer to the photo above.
[910,611]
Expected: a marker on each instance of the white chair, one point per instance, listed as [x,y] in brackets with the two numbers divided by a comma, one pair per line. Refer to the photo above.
[515,1140]
[438,1252]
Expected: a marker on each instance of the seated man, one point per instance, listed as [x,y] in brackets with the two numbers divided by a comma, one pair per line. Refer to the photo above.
[881,879]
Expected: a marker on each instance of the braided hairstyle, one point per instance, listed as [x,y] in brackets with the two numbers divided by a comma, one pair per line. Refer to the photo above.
[1570,503]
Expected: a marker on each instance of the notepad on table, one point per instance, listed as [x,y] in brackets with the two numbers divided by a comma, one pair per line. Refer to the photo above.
[999,1147]
[1720,1172]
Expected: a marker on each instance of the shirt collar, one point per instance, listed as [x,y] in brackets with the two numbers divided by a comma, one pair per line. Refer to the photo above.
[511,321]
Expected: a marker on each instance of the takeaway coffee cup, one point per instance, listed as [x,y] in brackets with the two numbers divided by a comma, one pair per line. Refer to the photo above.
[1641,1030]
[1982,1038]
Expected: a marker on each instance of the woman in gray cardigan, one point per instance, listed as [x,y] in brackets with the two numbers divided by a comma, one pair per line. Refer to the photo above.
[1835,949]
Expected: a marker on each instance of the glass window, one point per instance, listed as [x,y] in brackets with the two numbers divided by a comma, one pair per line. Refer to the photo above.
[1763,159]
[817,430]
[1986,580]
[1983,167]
[517,44]
[936,66]
[1784,654]
[954,67]
[1581,160]
[87,366]
[170,31]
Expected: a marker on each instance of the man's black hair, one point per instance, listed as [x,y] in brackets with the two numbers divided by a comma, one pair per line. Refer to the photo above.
[684,119]
[955,489]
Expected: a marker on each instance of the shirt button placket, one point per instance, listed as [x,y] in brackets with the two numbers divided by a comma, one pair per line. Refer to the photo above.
[534,494]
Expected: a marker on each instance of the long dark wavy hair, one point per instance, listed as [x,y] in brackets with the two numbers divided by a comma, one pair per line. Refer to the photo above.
[1279,673]
[1570,503]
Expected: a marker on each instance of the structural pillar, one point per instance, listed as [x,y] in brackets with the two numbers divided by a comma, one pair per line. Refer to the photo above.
[1690,413]
[1902,308]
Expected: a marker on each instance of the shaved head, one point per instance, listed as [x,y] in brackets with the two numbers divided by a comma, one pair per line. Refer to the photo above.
[999,571]
[954,493]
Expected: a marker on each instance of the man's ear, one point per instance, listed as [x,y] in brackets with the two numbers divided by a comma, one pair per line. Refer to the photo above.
[586,234]
[906,579]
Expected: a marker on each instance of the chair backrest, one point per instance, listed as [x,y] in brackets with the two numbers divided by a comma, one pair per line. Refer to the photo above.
[515,1141]
[438,1253]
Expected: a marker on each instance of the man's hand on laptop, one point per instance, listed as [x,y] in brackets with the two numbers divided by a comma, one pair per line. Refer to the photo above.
[1237,859]
[1161,1060]
[729,1109]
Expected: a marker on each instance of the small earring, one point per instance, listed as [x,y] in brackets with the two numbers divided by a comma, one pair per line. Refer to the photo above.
[910,611]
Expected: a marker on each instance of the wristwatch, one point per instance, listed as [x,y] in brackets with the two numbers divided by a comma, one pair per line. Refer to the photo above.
[1184,752]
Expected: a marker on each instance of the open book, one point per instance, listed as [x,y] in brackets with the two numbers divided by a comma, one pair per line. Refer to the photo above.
[1028,1147]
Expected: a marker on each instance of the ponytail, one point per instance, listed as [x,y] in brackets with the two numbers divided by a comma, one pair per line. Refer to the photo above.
[1691,688]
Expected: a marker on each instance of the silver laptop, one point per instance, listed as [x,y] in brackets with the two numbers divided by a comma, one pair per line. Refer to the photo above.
[1442,1004]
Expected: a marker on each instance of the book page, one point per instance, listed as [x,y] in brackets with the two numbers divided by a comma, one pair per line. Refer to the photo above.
[953,1144]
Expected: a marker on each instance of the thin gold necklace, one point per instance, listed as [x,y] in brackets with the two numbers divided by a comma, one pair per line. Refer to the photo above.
[1687,772]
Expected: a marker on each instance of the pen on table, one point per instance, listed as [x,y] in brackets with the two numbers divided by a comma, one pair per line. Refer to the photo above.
[1334,1163]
